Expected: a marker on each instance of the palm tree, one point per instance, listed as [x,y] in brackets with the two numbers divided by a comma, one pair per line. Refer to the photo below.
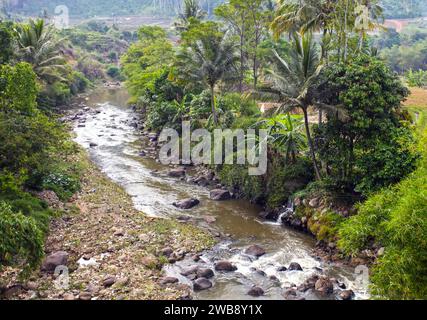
[38,46]
[296,82]
[285,131]
[182,109]
[208,63]
[191,10]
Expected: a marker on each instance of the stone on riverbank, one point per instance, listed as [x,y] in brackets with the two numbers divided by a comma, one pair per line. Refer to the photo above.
[59,258]
[186,204]
[220,195]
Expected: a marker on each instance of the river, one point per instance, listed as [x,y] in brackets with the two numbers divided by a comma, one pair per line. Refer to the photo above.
[117,149]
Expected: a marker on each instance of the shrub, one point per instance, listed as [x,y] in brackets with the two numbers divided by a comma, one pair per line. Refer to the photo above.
[394,218]
[21,238]
[239,104]
[113,71]
[416,78]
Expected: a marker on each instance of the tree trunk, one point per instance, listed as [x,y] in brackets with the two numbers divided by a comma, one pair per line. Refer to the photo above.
[320,117]
[215,116]
[310,145]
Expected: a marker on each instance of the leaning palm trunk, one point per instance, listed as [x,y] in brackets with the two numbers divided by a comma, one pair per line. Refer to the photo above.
[214,113]
[311,145]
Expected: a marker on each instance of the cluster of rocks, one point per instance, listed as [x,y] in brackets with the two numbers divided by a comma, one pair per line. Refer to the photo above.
[321,285]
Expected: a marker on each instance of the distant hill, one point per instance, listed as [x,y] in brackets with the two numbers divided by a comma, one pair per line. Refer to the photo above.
[403,9]
[91,8]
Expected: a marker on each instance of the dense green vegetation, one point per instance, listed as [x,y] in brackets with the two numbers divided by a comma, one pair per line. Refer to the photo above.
[35,78]
[337,130]
[404,51]
[360,145]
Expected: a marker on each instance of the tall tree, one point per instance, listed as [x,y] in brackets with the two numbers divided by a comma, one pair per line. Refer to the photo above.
[295,81]
[208,58]
[39,47]
[191,10]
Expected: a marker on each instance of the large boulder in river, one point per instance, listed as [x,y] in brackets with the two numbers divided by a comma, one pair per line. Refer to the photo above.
[347,295]
[324,286]
[256,292]
[202,284]
[186,204]
[295,267]
[59,258]
[225,266]
[205,273]
[177,173]
[220,195]
[255,251]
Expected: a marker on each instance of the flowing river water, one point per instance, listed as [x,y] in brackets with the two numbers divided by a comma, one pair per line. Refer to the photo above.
[116,152]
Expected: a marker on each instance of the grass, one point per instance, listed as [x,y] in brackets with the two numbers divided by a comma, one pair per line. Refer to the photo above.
[416,104]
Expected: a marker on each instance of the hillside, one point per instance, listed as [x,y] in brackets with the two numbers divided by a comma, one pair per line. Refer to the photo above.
[83,8]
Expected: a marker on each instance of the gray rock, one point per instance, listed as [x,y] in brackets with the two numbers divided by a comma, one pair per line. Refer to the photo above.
[54,260]
[192,270]
[295,267]
[324,286]
[225,266]
[169,280]
[209,219]
[177,173]
[68,297]
[186,204]
[347,295]
[108,281]
[255,251]
[256,292]
[220,195]
[85,296]
[202,284]
[282,269]
[167,252]
[205,273]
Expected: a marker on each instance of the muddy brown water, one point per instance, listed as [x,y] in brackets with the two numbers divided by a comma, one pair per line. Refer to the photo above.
[153,192]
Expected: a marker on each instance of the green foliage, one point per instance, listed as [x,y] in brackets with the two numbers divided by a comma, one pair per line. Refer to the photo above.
[6,42]
[240,104]
[395,218]
[20,236]
[285,179]
[416,78]
[324,226]
[18,88]
[147,60]
[114,72]
[38,46]
[368,147]
[237,178]
[407,56]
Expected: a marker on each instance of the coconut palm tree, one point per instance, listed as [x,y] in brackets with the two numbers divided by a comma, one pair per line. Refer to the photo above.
[285,132]
[38,46]
[208,63]
[191,9]
[295,82]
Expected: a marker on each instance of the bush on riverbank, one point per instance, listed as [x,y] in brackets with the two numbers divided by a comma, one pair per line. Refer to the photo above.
[396,219]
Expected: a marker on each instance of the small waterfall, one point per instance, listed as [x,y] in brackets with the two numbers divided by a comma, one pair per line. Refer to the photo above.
[288,210]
